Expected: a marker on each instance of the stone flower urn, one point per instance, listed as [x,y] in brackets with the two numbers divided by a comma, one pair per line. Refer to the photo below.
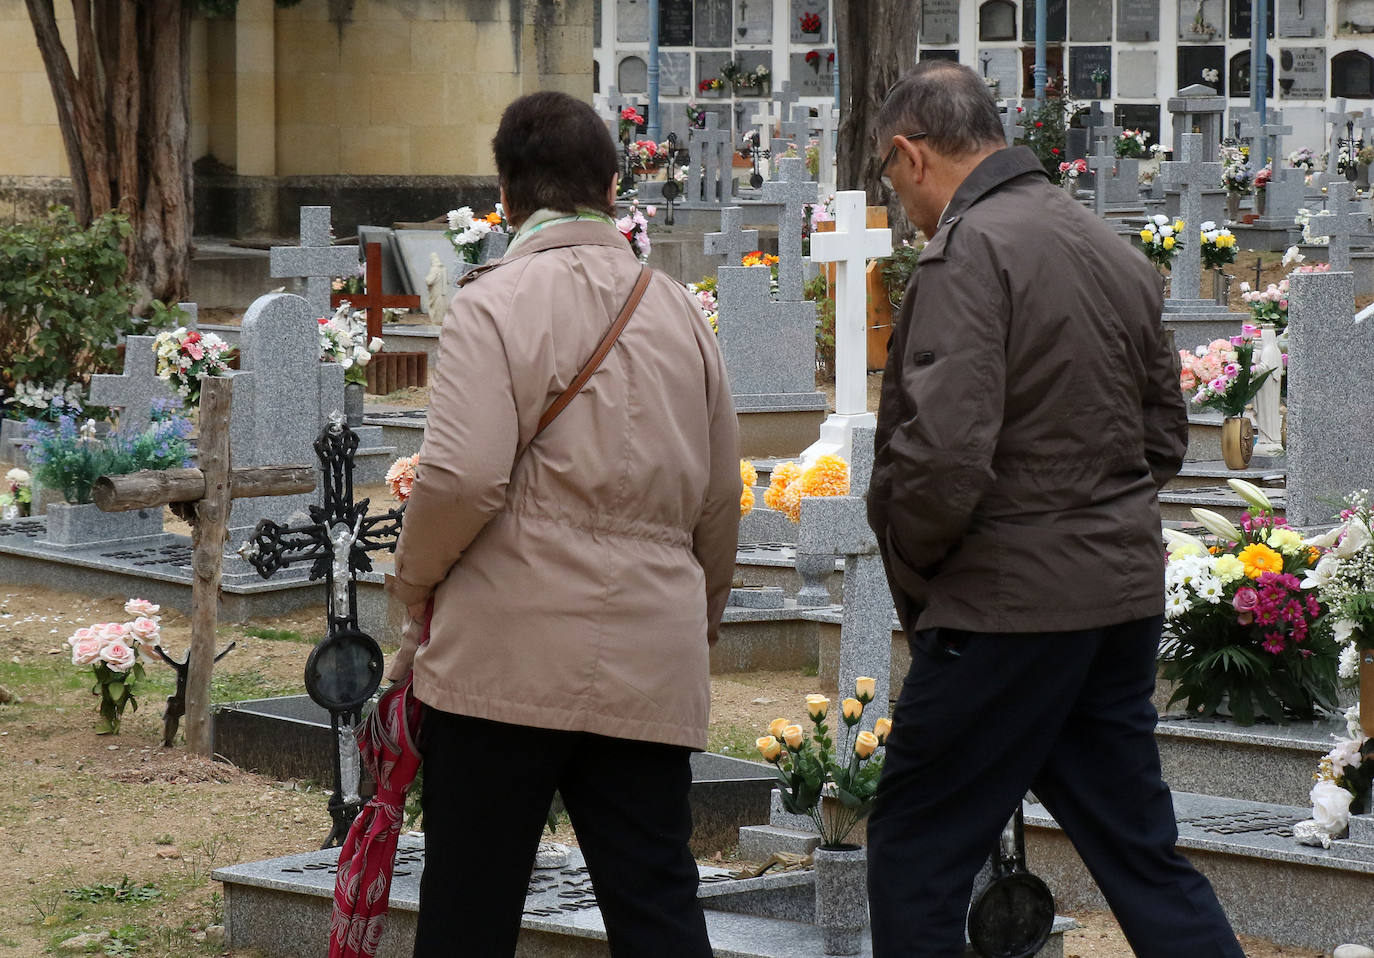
[353,404]
[841,898]
[815,570]
[1237,441]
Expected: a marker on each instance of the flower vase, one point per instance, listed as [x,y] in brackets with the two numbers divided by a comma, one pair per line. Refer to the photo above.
[1261,200]
[1362,176]
[1351,171]
[1232,206]
[1099,85]
[1237,441]
[353,404]
[841,898]
[815,570]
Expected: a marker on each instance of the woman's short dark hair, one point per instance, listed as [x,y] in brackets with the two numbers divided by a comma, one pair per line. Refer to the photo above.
[949,103]
[553,152]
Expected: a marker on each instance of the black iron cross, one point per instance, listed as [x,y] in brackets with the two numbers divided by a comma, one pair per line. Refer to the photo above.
[345,669]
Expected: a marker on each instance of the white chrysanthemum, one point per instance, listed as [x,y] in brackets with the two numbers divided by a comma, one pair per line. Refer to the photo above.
[1350,662]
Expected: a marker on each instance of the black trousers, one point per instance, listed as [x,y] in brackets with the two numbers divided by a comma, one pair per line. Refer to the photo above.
[981,718]
[487,789]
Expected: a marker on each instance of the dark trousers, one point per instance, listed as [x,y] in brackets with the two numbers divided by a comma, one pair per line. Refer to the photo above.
[487,789]
[1067,715]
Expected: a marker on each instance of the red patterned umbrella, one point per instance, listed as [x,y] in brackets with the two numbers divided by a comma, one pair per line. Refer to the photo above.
[362,890]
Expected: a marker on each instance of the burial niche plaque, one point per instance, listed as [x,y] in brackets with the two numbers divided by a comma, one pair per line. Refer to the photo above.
[1242,17]
[1083,63]
[632,75]
[754,21]
[1193,60]
[675,23]
[813,72]
[1302,73]
[1200,21]
[1057,20]
[939,21]
[1302,19]
[632,21]
[1352,75]
[1136,73]
[997,20]
[675,73]
[1137,21]
[1090,21]
[810,21]
[711,23]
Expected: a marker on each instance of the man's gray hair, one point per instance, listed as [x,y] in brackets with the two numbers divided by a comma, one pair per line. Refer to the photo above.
[949,103]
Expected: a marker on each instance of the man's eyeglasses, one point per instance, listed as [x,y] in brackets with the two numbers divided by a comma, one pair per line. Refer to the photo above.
[891,154]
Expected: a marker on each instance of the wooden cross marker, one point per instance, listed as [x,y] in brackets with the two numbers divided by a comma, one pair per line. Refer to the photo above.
[372,299]
[203,497]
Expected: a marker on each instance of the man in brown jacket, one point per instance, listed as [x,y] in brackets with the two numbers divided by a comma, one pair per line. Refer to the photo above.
[1029,414]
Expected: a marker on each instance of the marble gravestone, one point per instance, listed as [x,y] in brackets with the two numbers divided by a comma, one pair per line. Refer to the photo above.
[1090,21]
[801,9]
[1136,73]
[1302,20]
[631,21]
[1302,72]
[674,23]
[1330,405]
[813,72]
[940,21]
[317,260]
[135,391]
[674,73]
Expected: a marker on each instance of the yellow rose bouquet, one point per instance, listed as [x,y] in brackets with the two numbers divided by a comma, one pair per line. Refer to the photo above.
[1243,627]
[811,768]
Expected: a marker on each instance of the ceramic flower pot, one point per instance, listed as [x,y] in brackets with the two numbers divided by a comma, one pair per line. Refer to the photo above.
[841,898]
[353,404]
[1237,441]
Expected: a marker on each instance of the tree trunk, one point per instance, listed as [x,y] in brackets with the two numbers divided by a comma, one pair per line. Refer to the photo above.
[124,113]
[876,43]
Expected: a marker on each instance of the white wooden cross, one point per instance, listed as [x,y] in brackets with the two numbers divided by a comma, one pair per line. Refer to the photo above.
[849,247]
[1338,223]
[825,128]
[1010,126]
[317,259]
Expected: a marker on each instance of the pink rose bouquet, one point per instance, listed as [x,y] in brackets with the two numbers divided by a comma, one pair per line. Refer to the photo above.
[115,651]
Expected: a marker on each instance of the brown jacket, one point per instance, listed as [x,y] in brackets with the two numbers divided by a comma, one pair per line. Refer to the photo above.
[578,590]
[1030,412]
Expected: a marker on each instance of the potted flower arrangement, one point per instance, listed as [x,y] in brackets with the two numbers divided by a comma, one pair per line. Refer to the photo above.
[788,484]
[186,356]
[745,81]
[466,231]
[1343,580]
[1342,788]
[711,85]
[630,120]
[646,155]
[1100,78]
[810,24]
[1363,159]
[1160,240]
[1224,375]
[1236,178]
[1303,159]
[1130,144]
[834,787]
[1218,250]
[17,499]
[1262,179]
[1270,305]
[1241,628]
[696,116]
[634,226]
[115,652]
[343,340]
[1070,172]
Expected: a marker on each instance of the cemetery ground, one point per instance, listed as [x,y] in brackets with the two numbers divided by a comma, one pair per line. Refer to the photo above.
[115,837]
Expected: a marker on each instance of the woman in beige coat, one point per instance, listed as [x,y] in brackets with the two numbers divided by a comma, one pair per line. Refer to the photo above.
[576,578]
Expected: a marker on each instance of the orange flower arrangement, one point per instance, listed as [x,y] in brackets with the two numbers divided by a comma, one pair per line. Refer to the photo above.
[827,476]
[400,478]
[748,476]
[758,258]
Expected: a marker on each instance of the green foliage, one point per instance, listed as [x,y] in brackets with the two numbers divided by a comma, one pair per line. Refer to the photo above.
[125,891]
[1046,126]
[819,290]
[64,298]
[897,270]
[276,635]
[64,459]
[116,691]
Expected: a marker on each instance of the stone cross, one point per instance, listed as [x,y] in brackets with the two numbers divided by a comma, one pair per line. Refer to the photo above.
[1342,219]
[316,259]
[792,191]
[1098,125]
[849,247]
[1330,404]
[797,130]
[205,495]
[1273,133]
[827,125]
[783,100]
[615,102]
[710,157]
[134,391]
[1364,123]
[1337,118]
[1101,162]
[838,525]
[1189,176]
[733,241]
[1010,127]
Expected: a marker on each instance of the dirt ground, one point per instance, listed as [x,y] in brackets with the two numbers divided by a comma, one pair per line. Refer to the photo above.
[114,835]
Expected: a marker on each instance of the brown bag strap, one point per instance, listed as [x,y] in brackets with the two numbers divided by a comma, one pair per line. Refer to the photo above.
[599,356]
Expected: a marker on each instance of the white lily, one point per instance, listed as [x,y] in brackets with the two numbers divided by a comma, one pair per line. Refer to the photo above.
[1217,525]
[1326,540]
[1182,542]
[1356,538]
[1251,494]
[1292,255]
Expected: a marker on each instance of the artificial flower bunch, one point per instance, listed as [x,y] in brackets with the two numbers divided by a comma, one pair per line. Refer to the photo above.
[1263,177]
[186,356]
[400,478]
[646,153]
[1073,170]
[704,292]
[354,284]
[738,76]
[748,477]
[696,116]
[1347,157]
[1303,159]
[1130,144]
[1160,239]
[630,119]
[1224,373]
[1218,246]
[36,401]
[810,767]
[1209,74]
[810,23]
[466,230]
[1241,628]
[115,652]
[710,85]
[789,483]
[813,60]
[1236,176]
[17,498]
[1343,580]
[1342,788]
[634,226]
[1269,305]
[343,340]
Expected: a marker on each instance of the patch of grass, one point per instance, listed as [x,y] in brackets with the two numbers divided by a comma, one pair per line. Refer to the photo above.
[277,635]
[734,740]
[237,686]
[811,671]
[125,891]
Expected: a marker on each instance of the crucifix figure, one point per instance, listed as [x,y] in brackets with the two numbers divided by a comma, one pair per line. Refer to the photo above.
[202,496]
[733,241]
[1189,176]
[317,259]
[372,299]
[346,667]
[849,247]
[1342,219]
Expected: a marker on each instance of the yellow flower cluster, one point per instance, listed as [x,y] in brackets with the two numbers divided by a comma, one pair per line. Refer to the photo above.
[748,476]
[783,732]
[1286,541]
[758,258]
[1224,240]
[827,476]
